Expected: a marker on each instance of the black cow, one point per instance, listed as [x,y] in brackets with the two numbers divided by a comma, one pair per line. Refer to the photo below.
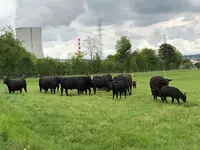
[96,77]
[81,83]
[15,84]
[127,79]
[119,87]
[107,76]
[93,87]
[173,92]
[158,81]
[102,83]
[49,83]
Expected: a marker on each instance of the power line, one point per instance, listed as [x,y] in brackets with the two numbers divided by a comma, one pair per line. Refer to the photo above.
[100,51]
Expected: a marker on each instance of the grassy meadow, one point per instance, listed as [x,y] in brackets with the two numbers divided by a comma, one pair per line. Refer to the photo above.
[54,122]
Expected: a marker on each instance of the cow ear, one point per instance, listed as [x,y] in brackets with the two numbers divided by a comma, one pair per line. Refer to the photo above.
[169,80]
[185,93]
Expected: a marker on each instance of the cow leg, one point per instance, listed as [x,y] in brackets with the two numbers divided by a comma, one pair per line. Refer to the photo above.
[166,100]
[66,91]
[61,91]
[40,89]
[117,95]
[113,95]
[13,91]
[120,94]
[163,99]
[9,91]
[25,89]
[51,90]
[89,91]
[152,92]
[172,100]
[178,101]
[154,96]
[130,90]
[78,91]
[54,90]
[21,91]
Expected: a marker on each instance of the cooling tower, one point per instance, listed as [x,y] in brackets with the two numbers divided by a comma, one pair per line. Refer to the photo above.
[31,38]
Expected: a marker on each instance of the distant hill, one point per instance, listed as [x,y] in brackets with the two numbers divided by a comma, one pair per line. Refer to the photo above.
[195,56]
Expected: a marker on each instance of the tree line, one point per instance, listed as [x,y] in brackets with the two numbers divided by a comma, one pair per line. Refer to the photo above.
[15,61]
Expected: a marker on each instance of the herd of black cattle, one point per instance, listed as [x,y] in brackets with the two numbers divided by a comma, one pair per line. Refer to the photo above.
[120,84]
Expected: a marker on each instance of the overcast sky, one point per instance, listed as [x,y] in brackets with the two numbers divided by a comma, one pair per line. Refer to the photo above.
[143,21]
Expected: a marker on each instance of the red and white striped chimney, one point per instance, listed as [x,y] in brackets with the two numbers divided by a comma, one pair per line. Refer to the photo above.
[79,46]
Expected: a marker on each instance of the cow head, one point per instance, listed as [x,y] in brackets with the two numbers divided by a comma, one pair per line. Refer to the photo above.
[134,84]
[165,82]
[5,80]
[113,84]
[184,97]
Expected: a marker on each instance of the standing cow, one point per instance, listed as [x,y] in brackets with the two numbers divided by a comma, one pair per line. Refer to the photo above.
[102,83]
[49,83]
[119,87]
[15,84]
[127,80]
[81,83]
[158,81]
[107,76]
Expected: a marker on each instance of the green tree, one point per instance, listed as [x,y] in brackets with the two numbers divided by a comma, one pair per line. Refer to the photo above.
[123,51]
[97,63]
[170,55]
[15,61]
[187,64]
[197,64]
[140,62]
[150,58]
[123,48]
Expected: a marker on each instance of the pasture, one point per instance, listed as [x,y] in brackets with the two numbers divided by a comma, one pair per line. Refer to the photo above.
[54,122]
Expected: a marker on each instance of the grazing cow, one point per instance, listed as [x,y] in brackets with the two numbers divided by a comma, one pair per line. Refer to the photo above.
[15,84]
[119,87]
[49,83]
[134,84]
[158,81]
[127,79]
[81,83]
[173,92]
[102,83]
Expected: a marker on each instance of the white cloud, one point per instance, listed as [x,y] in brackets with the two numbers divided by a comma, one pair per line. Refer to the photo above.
[63,23]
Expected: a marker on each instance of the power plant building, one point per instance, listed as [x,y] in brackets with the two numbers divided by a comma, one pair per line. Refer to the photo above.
[31,38]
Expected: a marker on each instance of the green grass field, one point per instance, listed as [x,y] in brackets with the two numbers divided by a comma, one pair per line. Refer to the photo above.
[52,122]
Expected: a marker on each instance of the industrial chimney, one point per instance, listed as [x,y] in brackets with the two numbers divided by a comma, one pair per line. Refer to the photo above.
[31,38]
